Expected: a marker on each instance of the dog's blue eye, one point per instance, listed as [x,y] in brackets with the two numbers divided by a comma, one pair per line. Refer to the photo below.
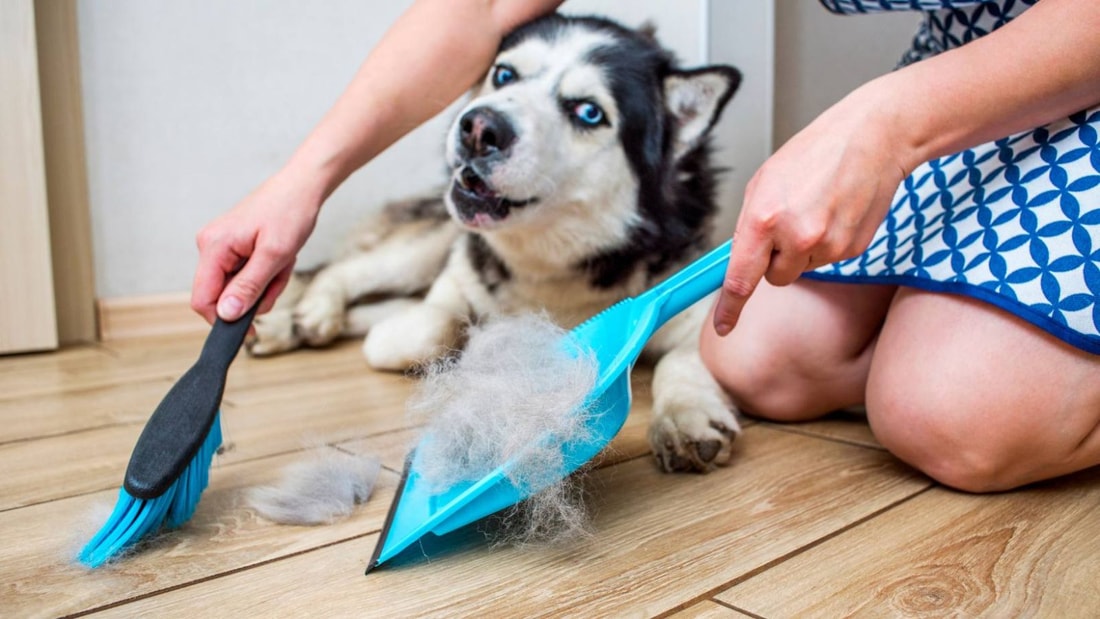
[503,75]
[588,113]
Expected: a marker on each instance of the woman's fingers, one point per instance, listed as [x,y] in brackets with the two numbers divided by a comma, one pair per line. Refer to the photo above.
[209,281]
[749,260]
[786,266]
[246,287]
[276,287]
[217,262]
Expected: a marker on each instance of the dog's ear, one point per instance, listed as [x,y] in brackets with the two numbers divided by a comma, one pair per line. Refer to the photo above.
[695,99]
[648,31]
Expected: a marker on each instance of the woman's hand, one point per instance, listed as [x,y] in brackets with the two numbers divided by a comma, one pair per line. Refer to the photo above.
[250,250]
[817,200]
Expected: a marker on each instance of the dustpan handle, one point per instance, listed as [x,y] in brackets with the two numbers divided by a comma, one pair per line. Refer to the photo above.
[690,284]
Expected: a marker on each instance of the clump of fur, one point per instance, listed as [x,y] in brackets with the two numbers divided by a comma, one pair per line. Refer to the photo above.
[321,490]
[555,515]
[516,394]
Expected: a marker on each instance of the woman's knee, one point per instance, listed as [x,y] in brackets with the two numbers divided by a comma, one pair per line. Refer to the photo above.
[977,444]
[799,351]
[951,450]
[748,377]
[951,391]
[765,381]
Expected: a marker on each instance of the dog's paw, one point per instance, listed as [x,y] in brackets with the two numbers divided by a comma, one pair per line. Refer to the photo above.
[693,439]
[319,318]
[274,334]
[417,336]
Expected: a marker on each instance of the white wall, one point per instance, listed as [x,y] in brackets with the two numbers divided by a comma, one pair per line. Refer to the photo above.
[742,34]
[189,105]
[821,56]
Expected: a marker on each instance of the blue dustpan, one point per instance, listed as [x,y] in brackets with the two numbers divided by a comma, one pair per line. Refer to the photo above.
[616,337]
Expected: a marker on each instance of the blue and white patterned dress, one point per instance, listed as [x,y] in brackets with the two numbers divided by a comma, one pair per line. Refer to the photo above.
[1014,222]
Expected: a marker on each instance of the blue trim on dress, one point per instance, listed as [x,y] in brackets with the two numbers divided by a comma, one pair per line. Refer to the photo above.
[1020,310]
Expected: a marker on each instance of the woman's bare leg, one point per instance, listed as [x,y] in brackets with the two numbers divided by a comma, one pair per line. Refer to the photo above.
[799,351]
[979,399]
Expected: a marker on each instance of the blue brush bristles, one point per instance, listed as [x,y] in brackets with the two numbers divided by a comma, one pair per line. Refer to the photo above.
[133,519]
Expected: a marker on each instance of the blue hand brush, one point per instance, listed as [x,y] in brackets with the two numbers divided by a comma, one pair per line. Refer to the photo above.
[170,465]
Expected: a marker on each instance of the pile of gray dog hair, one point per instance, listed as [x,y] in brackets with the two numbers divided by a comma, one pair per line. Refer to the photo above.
[515,394]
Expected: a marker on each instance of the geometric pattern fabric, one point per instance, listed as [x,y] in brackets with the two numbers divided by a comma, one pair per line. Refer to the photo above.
[1014,222]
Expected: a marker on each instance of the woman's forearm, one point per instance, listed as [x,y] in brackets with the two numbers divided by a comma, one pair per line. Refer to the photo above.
[432,54]
[1042,66]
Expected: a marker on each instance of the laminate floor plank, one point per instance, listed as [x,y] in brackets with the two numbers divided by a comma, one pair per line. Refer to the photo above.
[63,412]
[1027,553]
[845,427]
[69,369]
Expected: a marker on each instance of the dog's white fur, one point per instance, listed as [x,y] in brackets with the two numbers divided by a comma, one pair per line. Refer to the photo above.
[586,196]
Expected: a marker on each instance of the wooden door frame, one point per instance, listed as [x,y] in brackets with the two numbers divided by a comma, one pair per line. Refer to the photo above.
[66,169]
[47,291]
[26,289]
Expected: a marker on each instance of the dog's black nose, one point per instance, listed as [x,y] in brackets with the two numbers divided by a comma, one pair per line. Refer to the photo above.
[485,131]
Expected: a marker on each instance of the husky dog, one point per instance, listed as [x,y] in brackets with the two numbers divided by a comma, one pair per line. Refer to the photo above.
[580,174]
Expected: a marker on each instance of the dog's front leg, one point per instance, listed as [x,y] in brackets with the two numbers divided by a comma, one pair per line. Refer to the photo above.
[423,332]
[694,424]
[274,331]
[404,263]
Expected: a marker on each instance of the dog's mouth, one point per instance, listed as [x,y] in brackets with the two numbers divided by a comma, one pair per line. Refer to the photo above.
[477,203]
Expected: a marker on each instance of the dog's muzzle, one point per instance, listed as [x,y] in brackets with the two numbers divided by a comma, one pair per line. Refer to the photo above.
[485,138]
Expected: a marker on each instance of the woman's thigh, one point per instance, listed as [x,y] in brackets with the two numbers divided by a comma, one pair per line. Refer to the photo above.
[799,351]
[978,398]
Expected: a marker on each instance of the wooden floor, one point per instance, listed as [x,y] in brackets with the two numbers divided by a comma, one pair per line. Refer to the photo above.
[813,520]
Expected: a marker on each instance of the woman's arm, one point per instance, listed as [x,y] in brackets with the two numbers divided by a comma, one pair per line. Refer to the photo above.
[822,195]
[431,55]
[1040,67]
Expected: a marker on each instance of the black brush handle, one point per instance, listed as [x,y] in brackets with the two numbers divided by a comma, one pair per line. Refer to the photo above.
[183,419]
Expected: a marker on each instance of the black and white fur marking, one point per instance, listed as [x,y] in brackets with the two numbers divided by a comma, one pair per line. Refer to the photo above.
[580,174]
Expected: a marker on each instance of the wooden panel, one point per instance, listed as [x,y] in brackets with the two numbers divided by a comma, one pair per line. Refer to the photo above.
[659,540]
[52,373]
[708,610]
[1030,553]
[66,173]
[847,427]
[27,319]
